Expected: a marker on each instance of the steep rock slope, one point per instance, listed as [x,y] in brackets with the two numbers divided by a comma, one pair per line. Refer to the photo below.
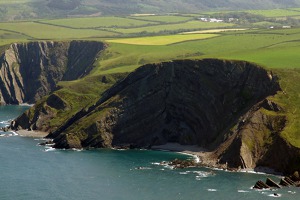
[30,71]
[189,102]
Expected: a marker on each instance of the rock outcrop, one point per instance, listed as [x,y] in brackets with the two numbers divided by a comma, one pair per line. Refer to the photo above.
[29,71]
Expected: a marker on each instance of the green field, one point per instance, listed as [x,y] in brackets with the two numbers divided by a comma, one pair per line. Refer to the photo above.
[163,40]
[276,12]
[41,31]
[98,22]
[165,19]
[190,25]
[15,1]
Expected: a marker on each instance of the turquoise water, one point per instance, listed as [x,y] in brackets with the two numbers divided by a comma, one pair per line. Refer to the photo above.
[29,171]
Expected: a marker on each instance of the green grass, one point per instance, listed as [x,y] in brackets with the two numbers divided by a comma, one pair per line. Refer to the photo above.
[165,19]
[15,1]
[42,31]
[268,49]
[190,25]
[163,40]
[289,99]
[275,12]
[97,22]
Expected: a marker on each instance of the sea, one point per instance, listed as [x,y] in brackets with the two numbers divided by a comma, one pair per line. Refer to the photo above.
[34,172]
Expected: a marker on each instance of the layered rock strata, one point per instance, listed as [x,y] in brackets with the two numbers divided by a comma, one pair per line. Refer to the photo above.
[29,71]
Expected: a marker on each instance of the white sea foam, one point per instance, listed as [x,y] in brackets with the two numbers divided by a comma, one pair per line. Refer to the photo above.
[74,149]
[14,133]
[155,163]
[212,190]
[183,172]
[42,139]
[50,149]
[292,192]
[142,168]
[243,191]
[275,195]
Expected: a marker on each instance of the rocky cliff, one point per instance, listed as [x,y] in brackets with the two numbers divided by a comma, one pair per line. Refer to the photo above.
[189,102]
[223,106]
[30,71]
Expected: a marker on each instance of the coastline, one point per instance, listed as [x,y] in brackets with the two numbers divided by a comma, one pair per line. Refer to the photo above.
[25,133]
[206,158]
[202,155]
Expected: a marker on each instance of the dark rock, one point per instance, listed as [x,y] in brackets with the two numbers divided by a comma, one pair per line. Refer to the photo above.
[181,164]
[272,183]
[269,105]
[56,102]
[260,185]
[4,129]
[284,183]
[295,177]
[287,179]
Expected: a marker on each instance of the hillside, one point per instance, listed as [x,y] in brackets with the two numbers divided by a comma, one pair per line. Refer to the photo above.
[29,9]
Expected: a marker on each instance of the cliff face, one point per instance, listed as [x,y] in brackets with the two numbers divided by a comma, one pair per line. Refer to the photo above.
[189,102]
[30,71]
[220,105]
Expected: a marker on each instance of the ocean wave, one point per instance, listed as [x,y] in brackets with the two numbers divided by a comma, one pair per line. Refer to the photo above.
[196,158]
[49,149]
[183,173]
[42,139]
[243,191]
[5,122]
[212,190]
[7,134]
[14,133]
[142,168]
[276,195]
[199,174]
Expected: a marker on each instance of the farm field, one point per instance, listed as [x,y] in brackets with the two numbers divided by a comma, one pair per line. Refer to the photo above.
[98,22]
[276,12]
[42,31]
[190,25]
[163,40]
[272,49]
[165,19]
